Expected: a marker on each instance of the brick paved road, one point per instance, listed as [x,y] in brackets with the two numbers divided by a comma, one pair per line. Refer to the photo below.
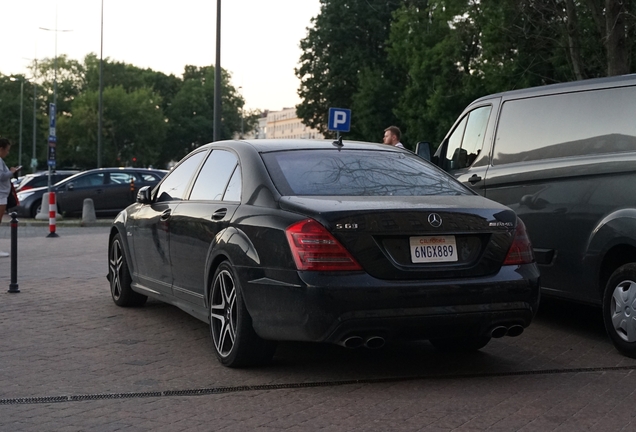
[70,360]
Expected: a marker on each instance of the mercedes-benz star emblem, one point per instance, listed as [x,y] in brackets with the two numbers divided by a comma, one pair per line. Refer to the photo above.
[435,220]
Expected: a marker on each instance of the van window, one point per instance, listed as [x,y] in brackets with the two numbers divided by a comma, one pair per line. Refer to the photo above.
[565,125]
[464,144]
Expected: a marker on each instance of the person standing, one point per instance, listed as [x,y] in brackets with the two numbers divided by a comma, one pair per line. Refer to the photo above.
[392,136]
[6,174]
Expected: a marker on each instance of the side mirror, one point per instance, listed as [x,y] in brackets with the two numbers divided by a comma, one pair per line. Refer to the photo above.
[423,150]
[70,187]
[144,195]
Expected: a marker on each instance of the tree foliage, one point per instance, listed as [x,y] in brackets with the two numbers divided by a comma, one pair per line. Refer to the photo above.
[419,62]
[347,39]
[149,118]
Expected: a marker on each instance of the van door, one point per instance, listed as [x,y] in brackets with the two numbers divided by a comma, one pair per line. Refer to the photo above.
[465,152]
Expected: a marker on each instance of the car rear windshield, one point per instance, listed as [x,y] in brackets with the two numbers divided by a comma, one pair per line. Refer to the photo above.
[357,173]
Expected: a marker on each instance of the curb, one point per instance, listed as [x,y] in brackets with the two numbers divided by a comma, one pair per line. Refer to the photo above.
[6,219]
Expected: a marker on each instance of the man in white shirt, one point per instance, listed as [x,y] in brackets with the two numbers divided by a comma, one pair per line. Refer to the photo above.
[392,136]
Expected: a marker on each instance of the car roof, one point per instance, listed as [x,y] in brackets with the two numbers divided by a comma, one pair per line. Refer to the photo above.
[573,86]
[270,145]
[41,173]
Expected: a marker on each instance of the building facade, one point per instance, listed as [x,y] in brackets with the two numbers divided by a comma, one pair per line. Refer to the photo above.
[285,124]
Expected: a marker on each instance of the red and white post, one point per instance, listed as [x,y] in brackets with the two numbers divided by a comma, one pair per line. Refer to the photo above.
[52,213]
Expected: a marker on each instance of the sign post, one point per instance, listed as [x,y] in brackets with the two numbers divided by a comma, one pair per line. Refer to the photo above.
[339,120]
[51,163]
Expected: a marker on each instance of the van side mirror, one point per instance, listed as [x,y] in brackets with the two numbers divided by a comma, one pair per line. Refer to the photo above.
[144,195]
[423,150]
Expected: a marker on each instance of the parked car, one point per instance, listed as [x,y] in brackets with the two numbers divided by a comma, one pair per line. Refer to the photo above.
[564,158]
[40,179]
[346,243]
[111,189]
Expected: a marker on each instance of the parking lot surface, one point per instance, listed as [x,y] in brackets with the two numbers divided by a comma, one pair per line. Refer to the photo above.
[71,360]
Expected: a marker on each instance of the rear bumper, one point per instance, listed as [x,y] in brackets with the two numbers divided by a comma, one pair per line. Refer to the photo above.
[318,307]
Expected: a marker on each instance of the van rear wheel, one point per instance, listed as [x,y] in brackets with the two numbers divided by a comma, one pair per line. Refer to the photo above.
[619,309]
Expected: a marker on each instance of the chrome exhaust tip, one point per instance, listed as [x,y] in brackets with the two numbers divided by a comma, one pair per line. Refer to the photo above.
[352,342]
[515,330]
[498,332]
[374,342]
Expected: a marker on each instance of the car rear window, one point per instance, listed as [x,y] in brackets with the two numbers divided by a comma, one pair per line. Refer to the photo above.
[357,173]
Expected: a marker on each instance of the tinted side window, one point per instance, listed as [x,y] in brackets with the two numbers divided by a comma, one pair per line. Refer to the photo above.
[466,141]
[214,176]
[176,182]
[150,177]
[122,177]
[574,124]
[89,180]
[233,191]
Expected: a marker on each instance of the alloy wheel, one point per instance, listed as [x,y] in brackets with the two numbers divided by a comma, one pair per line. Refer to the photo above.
[223,313]
[115,266]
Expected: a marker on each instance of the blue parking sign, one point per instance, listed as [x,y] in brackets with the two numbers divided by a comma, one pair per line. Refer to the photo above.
[339,119]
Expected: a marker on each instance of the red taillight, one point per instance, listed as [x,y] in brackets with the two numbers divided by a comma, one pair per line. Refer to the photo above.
[521,250]
[314,248]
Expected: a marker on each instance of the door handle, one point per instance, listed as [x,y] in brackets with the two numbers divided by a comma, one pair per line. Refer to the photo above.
[474,179]
[100,191]
[219,214]
[165,215]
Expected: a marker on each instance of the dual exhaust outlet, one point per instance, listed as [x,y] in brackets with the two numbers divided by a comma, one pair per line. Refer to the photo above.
[371,342]
[502,330]
[376,342]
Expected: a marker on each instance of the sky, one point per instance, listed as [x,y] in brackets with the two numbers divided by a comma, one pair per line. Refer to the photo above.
[259,38]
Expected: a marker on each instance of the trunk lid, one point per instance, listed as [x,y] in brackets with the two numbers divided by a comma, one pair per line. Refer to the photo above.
[414,237]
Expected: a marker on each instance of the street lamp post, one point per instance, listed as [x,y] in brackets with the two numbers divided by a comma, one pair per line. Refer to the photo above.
[100,107]
[34,160]
[217,76]
[242,115]
[56,31]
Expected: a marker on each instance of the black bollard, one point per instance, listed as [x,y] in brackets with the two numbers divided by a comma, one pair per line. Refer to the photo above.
[13,287]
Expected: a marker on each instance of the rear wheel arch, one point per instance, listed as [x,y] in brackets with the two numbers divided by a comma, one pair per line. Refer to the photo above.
[209,277]
[235,342]
[611,244]
[615,257]
[229,245]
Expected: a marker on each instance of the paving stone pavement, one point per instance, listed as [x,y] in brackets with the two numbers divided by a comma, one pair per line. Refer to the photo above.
[71,360]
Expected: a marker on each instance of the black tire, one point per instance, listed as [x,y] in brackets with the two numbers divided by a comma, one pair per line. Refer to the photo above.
[461,344]
[619,312]
[35,208]
[235,342]
[119,277]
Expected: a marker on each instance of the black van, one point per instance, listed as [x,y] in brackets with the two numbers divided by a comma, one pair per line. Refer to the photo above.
[563,157]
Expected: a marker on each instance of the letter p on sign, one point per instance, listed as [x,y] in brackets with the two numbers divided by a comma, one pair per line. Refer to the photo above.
[339,119]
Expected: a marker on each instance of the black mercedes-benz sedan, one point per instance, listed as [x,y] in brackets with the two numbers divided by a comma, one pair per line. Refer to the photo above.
[348,243]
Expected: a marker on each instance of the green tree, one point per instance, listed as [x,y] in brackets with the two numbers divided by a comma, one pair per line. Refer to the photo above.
[190,114]
[10,116]
[437,44]
[347,43]
[133,129]
[64,76]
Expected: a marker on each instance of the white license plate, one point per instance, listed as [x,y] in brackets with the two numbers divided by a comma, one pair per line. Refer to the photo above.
[433,249]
